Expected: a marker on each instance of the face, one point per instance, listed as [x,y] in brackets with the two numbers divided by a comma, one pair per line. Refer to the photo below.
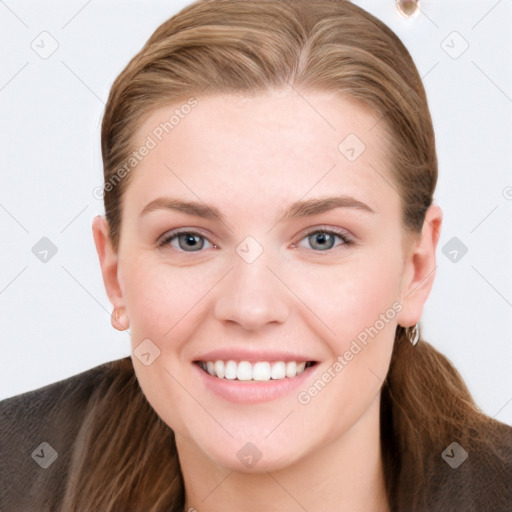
[301,293]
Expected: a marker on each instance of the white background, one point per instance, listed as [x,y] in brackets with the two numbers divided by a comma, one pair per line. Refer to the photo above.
[55,316]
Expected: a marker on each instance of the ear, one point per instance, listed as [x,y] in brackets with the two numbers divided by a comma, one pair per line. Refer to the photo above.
[109,264]
[420,269]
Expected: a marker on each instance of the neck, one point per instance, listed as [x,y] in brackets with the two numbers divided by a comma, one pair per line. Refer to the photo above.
[345,475]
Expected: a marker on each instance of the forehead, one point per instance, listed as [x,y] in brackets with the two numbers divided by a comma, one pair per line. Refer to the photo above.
[273,146]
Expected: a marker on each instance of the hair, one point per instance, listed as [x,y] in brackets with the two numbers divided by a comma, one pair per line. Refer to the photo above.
[125,457]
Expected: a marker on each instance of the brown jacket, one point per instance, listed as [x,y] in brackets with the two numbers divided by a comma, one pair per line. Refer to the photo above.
[38,431]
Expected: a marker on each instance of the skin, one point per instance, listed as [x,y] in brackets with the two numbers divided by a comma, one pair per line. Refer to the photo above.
[251,157]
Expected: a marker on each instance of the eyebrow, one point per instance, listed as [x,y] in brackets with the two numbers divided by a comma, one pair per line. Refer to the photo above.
[305,208]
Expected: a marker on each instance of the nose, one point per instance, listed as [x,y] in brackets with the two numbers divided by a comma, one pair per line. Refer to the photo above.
[252,295]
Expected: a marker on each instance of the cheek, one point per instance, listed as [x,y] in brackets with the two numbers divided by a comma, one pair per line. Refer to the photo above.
[160,301]
[159,297]
[163,392]
[351,297]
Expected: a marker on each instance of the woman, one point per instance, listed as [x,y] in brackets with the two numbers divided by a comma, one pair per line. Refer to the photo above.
[269,240]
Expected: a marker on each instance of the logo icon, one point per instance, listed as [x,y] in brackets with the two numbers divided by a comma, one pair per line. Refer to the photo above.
[454,249]
[44,250]
[249,455]
[454,45]
[351,147]
[249,249]
[45,45]
[45,455]
[146,352]
[454,455]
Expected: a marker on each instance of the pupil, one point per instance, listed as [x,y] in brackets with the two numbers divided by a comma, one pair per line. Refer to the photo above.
[189,239]
[322,239]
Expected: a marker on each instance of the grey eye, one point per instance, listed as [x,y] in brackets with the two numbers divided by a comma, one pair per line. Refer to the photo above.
[190,241]
[321,240]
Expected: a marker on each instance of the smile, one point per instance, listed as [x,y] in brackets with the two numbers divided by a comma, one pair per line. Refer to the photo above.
[259,371]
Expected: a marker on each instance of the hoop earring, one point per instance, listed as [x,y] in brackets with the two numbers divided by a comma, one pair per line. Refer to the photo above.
[414,335]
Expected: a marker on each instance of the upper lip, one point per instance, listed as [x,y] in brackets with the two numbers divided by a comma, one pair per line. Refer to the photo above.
[253,356]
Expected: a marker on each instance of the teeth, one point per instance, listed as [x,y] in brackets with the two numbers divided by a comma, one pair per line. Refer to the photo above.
[291,369]
[278,370]
[260,371]
[230,370]
[210,368]
[218,368]
[244,371]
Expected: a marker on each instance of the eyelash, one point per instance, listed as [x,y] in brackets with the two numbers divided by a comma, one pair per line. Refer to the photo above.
[346,240]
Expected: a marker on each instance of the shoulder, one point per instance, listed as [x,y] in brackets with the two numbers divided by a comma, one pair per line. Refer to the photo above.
[474,476]
[39,429]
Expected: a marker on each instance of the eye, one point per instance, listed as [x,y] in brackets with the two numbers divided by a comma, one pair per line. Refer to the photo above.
[188,241]
[192,241]
[324,239]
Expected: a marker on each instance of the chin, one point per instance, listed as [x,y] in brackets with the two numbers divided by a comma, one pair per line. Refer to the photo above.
[249,458]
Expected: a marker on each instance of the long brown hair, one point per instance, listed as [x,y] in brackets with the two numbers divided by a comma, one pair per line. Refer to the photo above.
[125,457]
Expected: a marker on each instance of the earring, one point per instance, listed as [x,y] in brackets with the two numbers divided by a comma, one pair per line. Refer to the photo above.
[115,321]
[414,334]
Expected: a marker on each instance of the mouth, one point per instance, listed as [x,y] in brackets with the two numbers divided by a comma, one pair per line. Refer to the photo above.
[261,371]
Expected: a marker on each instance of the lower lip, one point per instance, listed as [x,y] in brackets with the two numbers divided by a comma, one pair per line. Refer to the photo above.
[249,392]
